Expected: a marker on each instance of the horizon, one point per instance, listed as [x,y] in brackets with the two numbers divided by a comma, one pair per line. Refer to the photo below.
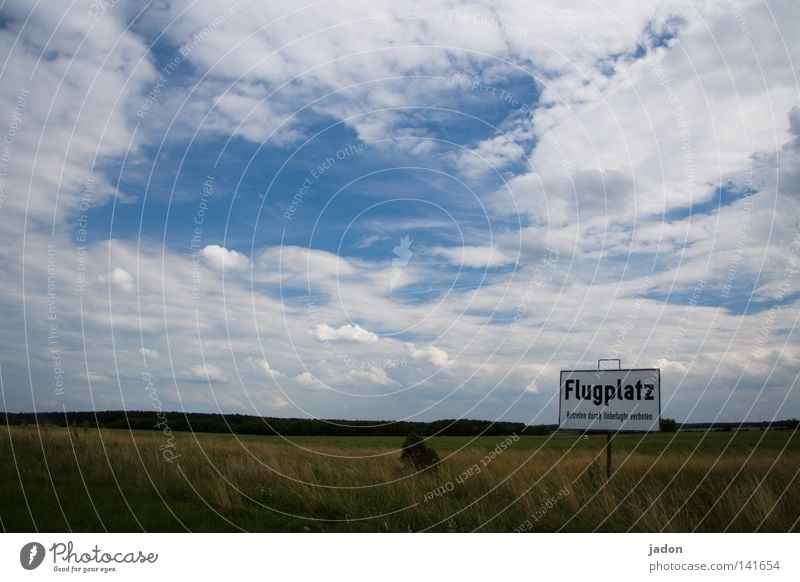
[385,420]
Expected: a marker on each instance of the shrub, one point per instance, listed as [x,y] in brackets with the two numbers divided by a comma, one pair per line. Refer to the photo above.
[668,425]
[417,454]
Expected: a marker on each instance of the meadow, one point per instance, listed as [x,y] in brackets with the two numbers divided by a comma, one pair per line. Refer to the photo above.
[87,479]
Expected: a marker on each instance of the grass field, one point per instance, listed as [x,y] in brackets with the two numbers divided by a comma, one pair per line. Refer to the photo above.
[59,479]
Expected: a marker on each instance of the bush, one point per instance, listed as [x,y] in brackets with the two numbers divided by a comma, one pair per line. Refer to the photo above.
[417,454]
[669,425]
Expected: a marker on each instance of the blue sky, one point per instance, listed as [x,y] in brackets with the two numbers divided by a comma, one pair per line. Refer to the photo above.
[366,210]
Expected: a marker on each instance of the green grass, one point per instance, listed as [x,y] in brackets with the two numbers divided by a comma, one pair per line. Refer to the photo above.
[90,480]
[715,442]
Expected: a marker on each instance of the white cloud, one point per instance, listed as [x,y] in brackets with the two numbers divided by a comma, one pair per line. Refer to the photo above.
[77,79]
[263,365]
[300,267]
[219,257]
[96,377]
[491,155]
[431,354]
[652,123]
[348,332]
[120,280]
[207,372]
[272,400]
[367,241]
[376,376]
[308,380]
[149,354]
[670,367]
[475,256]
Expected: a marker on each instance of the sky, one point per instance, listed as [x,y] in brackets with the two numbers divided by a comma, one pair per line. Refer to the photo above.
[398,210]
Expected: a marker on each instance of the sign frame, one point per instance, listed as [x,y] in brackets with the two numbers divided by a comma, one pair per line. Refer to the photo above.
[617,370]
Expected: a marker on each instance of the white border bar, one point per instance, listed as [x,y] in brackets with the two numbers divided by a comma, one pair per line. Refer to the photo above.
[404,557]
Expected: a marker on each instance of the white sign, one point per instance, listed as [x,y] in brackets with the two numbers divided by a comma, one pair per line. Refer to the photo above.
[610,400]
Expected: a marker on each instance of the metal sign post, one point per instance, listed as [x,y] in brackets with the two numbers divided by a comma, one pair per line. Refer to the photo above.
[609,435]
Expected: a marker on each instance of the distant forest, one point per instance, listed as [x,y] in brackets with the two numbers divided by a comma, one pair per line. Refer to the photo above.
[246,424]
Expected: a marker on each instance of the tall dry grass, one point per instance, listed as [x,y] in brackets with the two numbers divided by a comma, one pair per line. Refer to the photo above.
[88,479]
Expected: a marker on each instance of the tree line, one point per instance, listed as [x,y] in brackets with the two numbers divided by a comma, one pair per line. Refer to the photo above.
[256,425]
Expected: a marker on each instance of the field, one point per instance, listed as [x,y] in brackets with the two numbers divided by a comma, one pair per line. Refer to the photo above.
[59,479]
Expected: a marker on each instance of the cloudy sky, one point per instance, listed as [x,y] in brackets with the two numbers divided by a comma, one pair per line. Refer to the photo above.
[398,210]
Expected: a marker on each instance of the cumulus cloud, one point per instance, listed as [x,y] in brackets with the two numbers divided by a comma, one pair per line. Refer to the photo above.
[272,400]
[309,381]
[291,264]
[218,257]
[670,367]
[376,376]
[491,155]
[533,388]
[120,280]
[348,332]
[207,372]
[431,354]
[72,108]
[263,365]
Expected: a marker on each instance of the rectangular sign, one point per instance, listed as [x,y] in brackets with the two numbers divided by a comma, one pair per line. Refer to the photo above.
[610,400]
